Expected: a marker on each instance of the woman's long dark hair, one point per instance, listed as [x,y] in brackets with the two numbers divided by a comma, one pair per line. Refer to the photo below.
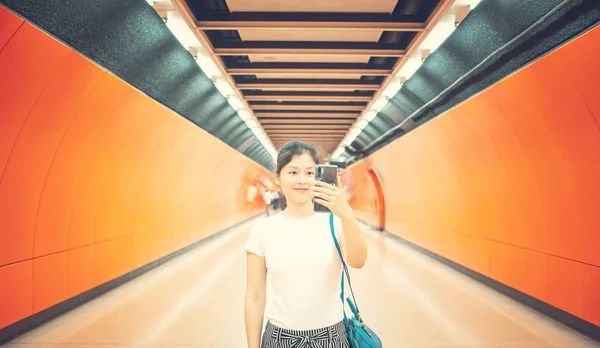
[291,150]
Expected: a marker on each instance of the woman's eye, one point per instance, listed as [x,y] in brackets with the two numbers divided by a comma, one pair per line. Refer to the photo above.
[311,173]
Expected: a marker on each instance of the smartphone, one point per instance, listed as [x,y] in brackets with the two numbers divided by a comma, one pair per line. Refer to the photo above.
[327,174]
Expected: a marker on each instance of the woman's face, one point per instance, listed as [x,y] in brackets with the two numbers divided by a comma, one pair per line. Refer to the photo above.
[297,177]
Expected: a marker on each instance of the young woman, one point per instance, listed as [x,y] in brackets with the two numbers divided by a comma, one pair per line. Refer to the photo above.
[296,249]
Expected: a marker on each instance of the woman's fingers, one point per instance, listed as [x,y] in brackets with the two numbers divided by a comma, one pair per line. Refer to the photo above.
[323,184]
[320,188]
[323,196]
[323,202]
[328,190]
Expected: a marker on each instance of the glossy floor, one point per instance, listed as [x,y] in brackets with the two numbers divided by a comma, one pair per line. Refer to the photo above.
[196,300]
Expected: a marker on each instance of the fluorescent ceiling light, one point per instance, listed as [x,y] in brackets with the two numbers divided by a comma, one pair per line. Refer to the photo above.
[264,141]
[252,124]
[224,87]
[338,152]
[392,88]
[182,32]
[244,114]
[362,123]
[207,65]
[411,66]
[235,102]
[370,115]
[256,130]
[351,137]
[474,3]
[444,28]
[379,104]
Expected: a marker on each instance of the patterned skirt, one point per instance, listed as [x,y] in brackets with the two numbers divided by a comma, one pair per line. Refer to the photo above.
[333,336]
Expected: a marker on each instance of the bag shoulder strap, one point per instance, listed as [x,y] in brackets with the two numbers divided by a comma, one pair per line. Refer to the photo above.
[337,245]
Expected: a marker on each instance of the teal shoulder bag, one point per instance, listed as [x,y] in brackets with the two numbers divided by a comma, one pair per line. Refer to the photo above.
[359,334]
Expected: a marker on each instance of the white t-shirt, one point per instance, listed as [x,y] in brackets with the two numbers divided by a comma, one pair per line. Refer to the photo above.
[303,267]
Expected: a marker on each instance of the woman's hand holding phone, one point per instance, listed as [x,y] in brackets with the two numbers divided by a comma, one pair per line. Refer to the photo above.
[332,197]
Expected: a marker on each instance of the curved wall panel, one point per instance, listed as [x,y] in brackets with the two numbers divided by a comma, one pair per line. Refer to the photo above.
[506,184]
[362,193]
[97,179]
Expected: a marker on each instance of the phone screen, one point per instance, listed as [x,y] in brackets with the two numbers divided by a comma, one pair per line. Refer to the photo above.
[328,174]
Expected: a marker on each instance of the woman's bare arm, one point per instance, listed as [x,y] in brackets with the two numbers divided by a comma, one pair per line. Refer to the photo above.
[256,294]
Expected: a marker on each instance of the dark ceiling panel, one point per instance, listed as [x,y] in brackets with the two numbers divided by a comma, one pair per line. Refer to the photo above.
[237,135]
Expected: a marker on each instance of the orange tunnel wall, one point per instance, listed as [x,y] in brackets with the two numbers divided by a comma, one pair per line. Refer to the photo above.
[362,193]
[97,179]
[508,183]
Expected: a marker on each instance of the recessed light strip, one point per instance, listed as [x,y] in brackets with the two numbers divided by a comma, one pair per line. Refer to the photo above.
[179,24]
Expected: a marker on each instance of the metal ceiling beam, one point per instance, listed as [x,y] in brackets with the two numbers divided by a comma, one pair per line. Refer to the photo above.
[333,72]
[321,134]
[306,98]
[305,127]
[275,126]
[305,132]
[312,136]
[323,141]
[371,52]
[264,21]
[312,130]
[305,107]
[306,114]
[309,87]
[283,141]
[291,113]
[308,121]
[320,140]
[308,140]
[332,144]
[325,146]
